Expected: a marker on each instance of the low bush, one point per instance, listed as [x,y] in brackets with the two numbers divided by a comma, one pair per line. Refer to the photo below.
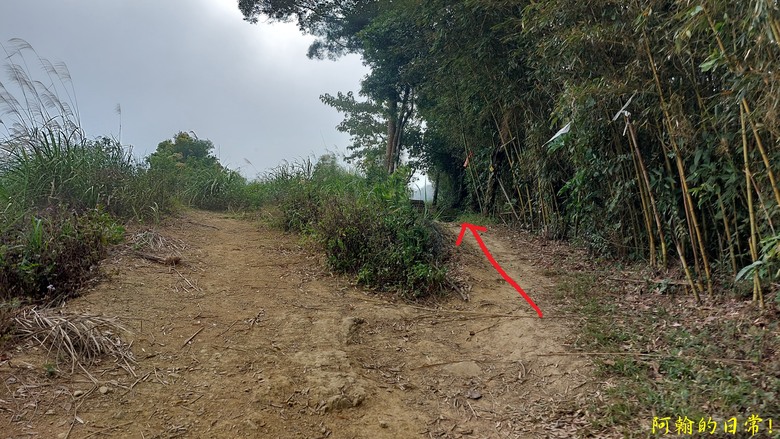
[49,255]
[367,229]
[384,246]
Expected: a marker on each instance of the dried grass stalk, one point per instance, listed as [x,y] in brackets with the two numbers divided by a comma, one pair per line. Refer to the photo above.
[154,241]
[79,338]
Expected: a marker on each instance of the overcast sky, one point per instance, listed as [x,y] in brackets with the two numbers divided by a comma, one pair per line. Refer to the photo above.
[181,65]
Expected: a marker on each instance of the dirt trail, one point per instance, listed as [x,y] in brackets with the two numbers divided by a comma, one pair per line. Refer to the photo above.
[279,348]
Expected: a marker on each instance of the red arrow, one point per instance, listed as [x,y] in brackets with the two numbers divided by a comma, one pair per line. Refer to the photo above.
[474,229]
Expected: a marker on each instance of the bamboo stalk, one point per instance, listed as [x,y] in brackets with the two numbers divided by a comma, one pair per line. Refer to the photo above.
[729,239]
[695,222]
[508,200]
[689,223]
[520,200]
[693,225]
[761,150]
[645,209]
[470,170]
[646,178]
[687,270]
[530,206]
[762,204]
[757,294]
[543,205]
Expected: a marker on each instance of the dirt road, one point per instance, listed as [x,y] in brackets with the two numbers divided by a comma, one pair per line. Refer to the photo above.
[251,337]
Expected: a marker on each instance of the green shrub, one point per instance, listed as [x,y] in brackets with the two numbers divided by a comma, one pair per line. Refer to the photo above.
[367,229]
[49,255]
[384,246]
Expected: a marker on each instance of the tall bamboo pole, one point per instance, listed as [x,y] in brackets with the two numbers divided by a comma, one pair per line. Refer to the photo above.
[530,206]
[508,200]
[728,233]
[645,211]
[758,296]
[687,199]
[761,150]
[687,270]
[646,178]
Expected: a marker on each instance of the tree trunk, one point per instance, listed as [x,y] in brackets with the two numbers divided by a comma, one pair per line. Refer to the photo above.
[492,185]
[397,117]
[436,188]
[392,127]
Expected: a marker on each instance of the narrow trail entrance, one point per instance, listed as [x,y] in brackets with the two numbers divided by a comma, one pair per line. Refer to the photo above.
[251,337]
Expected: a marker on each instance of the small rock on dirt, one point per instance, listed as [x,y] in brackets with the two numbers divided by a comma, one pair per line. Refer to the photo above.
[465,369]
[103,390]
[350,327]
[473,394]
[78,393]
[383,424]
[339,402]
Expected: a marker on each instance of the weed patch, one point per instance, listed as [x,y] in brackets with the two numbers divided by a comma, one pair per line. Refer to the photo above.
[368,230]
[48,255]
[673,358]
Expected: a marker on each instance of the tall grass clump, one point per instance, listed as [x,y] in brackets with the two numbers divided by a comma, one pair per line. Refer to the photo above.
[61,195]
[367,229]
[216,188]
[90,174]
[45,157]
[194,176]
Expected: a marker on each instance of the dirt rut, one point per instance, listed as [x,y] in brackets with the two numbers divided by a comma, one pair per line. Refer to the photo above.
[251,337]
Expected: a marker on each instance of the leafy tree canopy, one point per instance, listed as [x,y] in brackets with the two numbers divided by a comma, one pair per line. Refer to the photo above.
[336,23]
[184,150]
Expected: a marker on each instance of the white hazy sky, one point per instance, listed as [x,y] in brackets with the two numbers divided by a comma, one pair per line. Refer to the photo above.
[181,65]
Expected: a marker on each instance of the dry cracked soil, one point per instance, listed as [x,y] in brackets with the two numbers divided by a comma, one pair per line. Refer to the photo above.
[250,336]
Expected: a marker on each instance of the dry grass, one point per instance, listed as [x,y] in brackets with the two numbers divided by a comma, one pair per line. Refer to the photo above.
[154,241]
[79,339]
[8,310]
[164,250]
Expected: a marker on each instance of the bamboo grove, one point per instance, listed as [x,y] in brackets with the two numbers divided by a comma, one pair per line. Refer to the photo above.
[666,113]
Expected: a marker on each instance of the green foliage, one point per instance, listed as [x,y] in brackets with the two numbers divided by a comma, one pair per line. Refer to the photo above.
[768,265]
[183,152]
[82,176]
[50,369]
[190,173]
[215,188]
[368,229]
[375,234]
[704,363]
[61,194]
[335,23]
[364,121]
[50,254]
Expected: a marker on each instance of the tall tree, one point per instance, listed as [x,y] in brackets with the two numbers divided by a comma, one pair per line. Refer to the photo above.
[378,30]
[364,122]
[336,23]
